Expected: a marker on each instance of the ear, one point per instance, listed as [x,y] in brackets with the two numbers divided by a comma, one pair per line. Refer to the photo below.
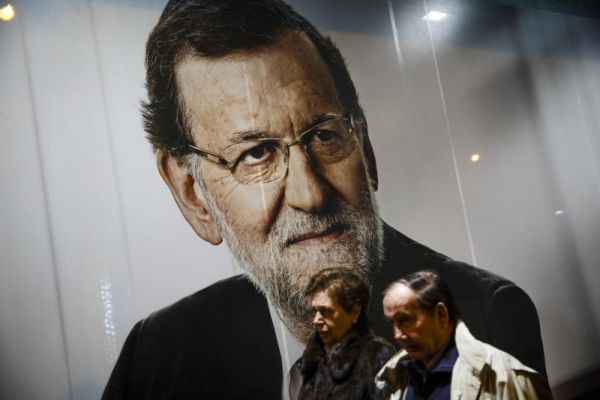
[188,195]
[441,311]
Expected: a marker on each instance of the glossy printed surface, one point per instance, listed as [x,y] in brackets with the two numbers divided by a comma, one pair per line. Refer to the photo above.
[92,241]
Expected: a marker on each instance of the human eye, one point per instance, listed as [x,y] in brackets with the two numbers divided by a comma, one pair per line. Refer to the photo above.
[324,143]
[329,142]
[403,320]
[257,154]
[326,312]
[322,137]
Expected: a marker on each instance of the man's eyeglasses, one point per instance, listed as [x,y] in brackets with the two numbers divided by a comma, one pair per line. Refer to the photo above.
[262,160]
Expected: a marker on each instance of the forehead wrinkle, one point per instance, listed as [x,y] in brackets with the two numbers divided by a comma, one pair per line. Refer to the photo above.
[197,86]
[312,84]
[314,96]
[198,78]
[188,112]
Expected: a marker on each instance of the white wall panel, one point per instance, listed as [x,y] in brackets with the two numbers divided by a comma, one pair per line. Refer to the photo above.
[83,206]
[565,139]
[585,72]
[33,364]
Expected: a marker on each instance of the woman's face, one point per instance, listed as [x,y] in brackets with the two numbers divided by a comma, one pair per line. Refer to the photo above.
[330,318]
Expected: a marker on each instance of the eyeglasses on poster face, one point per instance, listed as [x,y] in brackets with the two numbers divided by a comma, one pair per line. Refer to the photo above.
[260,160]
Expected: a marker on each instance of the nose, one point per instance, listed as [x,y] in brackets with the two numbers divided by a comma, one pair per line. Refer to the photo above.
[399,334]
[318,319]
[305,189]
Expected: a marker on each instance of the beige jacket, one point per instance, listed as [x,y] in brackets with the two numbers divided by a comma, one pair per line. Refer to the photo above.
[481,372]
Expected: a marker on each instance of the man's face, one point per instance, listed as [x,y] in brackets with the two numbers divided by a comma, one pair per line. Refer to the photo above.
[330,318]
[282,231]
[423,334]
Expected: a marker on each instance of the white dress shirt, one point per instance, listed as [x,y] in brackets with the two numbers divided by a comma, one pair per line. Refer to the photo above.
[291,350]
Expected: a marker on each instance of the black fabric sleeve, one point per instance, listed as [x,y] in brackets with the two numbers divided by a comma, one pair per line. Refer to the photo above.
[514,327]
[117,387]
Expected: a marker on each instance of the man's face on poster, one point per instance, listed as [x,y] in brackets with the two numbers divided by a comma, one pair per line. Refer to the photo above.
[316,214]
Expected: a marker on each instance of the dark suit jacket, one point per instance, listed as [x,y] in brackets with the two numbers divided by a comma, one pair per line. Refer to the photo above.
[219,343]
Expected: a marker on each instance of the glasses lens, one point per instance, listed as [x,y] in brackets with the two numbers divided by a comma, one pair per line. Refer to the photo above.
[263,160]
[329,142]
[257,161]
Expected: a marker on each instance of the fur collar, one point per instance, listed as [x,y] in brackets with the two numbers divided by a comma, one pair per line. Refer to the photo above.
[341,358]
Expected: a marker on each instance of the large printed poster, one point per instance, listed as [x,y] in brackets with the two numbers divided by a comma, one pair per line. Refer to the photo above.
[451,136]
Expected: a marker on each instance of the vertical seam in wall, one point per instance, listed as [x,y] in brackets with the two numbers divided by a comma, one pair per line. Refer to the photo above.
[402,68]
[400,57]
[395,33]
[44,184]
[451,138]
[594,167]
[587,127]
[112,148]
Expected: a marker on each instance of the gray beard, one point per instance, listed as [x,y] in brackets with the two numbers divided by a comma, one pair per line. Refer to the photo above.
[282,273]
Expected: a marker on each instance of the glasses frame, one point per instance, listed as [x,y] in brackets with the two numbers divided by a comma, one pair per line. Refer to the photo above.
[287,143]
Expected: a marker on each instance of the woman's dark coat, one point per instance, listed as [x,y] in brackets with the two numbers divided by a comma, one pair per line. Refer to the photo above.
[347,371]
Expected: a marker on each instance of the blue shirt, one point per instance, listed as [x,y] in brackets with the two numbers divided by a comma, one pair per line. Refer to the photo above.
[434,384]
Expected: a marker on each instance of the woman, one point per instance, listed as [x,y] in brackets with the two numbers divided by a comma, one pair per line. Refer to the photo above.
[343,356]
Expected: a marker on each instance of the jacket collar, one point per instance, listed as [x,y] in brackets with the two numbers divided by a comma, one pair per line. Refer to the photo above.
[341,358]
[470,349]
[395,375]
[445,363]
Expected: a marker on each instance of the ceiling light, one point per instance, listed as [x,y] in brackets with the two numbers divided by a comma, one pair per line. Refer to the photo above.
[559,212]
[475,157]
[435,16]
[7,12]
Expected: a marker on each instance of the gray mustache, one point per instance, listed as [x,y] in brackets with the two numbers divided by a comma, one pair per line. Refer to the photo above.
[293,224]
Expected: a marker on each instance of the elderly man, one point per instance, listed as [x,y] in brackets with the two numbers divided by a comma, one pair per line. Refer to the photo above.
[440,359]
[259,135]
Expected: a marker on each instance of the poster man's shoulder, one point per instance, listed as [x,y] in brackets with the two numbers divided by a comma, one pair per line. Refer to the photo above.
[217,341]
